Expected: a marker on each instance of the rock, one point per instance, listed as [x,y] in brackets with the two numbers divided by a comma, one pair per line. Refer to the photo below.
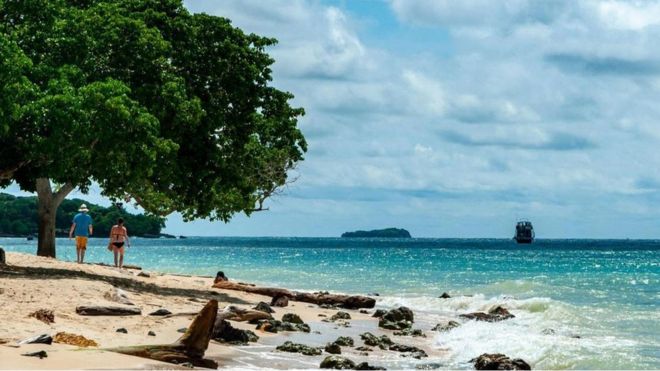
[444,296]
[118,295]
[220,276]
[143,274]
[333,348]
[499,362]
[44,315]
[379,313]
[264,307]
[345,341]
[364,311]
[494,315]
[414,351]
[340,315]
[291,347]
[442,327]
[41,354]
[364,349]
[85,310]
[397,319]
[39,339]
[327,306]
[3,260]
[337,363]
[73,339]
[122,330]
[370,339]
[373,294]
[160,312]
[151,333]
[224,332]
[429,366]
[187,365]
[548,331]
[182,330]
[273,325]
[280,301]
[410,332]
[366,366]
[292,317]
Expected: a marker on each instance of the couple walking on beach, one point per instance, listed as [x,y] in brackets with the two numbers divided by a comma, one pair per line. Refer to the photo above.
[82,228]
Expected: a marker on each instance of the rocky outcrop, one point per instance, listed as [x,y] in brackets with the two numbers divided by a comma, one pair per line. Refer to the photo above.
[264,307]
[318,298]
[160,312]
[499,362]
[44,315]
[367,366]
[413,351]
[274,326]
[379,313]
[224,332]
[340,315]
[410,332]
[397,319]
[496,314]
[337,363]
[443,327]
[332,348]
[345,341]
[291,347]
[292,317]
[370,339]
[444,296]
[280,301]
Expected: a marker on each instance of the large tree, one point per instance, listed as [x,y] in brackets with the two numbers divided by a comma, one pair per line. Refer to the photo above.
[169,109]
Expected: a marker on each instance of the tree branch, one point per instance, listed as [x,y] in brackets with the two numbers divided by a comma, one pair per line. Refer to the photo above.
[61,193]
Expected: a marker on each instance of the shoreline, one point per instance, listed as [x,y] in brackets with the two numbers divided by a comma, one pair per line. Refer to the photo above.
[29,283]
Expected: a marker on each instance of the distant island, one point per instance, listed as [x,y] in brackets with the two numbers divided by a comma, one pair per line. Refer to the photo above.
[379,233]
[18,218]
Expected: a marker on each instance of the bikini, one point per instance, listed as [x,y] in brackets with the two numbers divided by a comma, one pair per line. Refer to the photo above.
[118,244]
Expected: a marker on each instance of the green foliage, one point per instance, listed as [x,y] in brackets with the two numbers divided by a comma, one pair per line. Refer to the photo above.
[18,216]
[169,109]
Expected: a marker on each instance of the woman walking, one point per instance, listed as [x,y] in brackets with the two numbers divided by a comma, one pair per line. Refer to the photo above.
[119,237]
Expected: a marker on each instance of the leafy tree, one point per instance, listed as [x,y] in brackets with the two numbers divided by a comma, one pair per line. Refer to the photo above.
[167,109]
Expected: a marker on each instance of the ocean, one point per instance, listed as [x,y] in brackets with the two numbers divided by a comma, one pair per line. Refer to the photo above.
[579,304]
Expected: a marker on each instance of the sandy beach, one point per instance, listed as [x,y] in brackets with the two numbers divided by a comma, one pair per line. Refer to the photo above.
[29,283]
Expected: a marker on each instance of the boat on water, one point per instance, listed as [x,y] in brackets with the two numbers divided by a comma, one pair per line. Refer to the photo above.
[524,232]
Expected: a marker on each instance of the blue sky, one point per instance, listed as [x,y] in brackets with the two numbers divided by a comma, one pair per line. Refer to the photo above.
[456,118]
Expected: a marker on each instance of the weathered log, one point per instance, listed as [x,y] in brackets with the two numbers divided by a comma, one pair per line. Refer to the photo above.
[189,348]
[346,301]
[93,310]
[243,315]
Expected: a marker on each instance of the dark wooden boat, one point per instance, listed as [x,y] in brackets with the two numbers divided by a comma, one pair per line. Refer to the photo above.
[524,232]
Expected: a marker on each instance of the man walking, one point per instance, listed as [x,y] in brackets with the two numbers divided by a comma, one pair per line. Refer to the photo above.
[82,227]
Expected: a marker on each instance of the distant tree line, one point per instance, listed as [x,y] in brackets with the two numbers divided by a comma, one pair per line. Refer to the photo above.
[18,217]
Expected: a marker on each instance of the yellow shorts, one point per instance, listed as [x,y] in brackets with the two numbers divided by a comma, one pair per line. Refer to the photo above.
[81,243]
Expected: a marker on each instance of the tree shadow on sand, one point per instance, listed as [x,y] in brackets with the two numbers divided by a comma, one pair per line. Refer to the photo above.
[9,271]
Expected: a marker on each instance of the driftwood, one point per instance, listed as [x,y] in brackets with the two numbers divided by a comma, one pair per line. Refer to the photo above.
[125,266]
[93,310]
[189,348]
[243,315]
[346,301]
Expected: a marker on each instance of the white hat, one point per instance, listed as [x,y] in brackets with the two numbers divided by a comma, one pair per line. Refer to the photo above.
[83,208]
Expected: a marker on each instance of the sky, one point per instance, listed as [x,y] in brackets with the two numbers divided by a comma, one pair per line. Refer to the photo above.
[458,118]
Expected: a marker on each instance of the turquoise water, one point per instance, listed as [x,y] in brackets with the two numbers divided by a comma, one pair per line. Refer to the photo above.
[605,292]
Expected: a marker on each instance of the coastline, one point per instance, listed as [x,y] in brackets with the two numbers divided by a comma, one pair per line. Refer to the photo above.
[29,283]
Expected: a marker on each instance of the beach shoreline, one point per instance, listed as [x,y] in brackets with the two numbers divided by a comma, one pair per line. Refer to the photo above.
[29,283]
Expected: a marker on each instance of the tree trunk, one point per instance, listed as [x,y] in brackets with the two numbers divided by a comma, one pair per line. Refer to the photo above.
[48,203]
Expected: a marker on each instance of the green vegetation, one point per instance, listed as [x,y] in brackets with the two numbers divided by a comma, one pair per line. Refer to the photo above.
[169,110]
[379,233]
[18,217]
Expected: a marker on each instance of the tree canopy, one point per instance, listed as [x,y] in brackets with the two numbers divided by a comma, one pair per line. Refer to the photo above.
[165,108]
[18,217]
